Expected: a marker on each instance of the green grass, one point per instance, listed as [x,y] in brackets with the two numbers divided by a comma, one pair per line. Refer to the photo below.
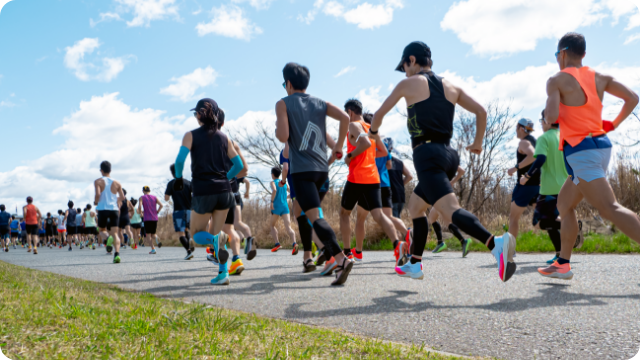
[47,316]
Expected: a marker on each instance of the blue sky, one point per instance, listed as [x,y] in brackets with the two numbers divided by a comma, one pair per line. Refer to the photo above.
[63,62]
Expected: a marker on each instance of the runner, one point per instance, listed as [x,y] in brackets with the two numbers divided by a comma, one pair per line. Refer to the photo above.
[181,211]
[23,232]
[363,183]
[301,119]
[212,196]
[32,218]
[71,214]
[42,234]
[399,176]
[575,103]
[48,230]
[280,209]
[136,224]
[124,222]
[80,228]
[90,228]
[433,220]
[107,199]
[431,105]
[5,228]
[15,230]
[61,221]
[150,216]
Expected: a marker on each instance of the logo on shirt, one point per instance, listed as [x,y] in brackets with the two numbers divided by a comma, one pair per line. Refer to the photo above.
[313,129]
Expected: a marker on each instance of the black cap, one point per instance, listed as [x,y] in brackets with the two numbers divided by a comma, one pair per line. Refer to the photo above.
[418,49]
[201,103]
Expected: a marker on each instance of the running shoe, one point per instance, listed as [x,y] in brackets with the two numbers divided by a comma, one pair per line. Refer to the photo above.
[276,247]
[308,266]
[221,279]
[35,251]
[408,238]
[314,250]
[400,253]
[557,271]
[342,272]
[6,249]
[109,244]
[329,267]
[94,246]
[440,248]
[549,262]
[189,255]
[357,258]
[116,259]
[466,244]
[29,250]
[349,256]
[152,252]
[14,246]
[237,267]
[413,271]
[580,238]
[208,250]
[247,245]
[295,249]
[253,252]
[212,259]
[320,258]
[505,247]
[70,249]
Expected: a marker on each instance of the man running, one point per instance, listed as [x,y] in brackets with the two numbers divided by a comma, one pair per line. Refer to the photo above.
[363,182]
[70,214]
[523,194]
[301,121]
[181,211]
[23,232]
[5,228]
[80,228]
[575,103]
[15,230]
[108,197]
[90,227]
[48,230]
[280,209]
[150,216]
[431,102]
[32,218]
[399,176]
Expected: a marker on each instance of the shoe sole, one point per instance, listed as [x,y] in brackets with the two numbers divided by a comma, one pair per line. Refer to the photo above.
[320,260]
[189,257]
[116,261]
[308,269]
[238,271]
[223,256]
[506,245]
[580,239]
[330,270]
[225,282]
[343,275]
[465,248]
[556,275]
[247,247]
[295,251]
[252,254]
[439,251]
[511,269]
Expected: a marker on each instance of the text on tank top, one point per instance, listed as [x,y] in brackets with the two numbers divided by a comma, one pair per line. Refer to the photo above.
[31,217]
[307,133]
[432,118]
[578,122]
[535,179]
[149,206]
[362,168]
[108,200]
[208,164]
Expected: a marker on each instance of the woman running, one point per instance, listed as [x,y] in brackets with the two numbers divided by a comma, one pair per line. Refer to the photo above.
[136,224]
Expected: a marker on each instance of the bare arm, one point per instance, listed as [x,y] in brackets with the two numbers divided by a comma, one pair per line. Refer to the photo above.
[231,150]
[472,106]
[526,148]
[407,175]
[627,95]
[247,185]
[98,191]
[187,140]
[166,197]
[273,192]
[140,206]
[387,105]
[282,122]
[362,143]
[160,205]
[121,197]
[389,164]
[381,150]
[458,176]
[338,114]
[552,109]
[285,166]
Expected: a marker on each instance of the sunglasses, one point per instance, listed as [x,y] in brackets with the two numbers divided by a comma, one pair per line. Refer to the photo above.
[559,51]
[195,114]
[284,85]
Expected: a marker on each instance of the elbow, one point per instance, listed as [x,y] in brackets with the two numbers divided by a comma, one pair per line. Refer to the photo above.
[635,99]
[481,113]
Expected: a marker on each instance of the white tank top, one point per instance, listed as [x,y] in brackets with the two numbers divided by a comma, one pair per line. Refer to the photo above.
[61,224]
[108,200]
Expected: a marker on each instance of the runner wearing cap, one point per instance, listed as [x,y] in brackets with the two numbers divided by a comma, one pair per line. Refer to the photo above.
[431,102]
[301,121]
[181,211]
[212,197]
[147,207]
[108,197]
[575,103]
[32,218]
[5,228]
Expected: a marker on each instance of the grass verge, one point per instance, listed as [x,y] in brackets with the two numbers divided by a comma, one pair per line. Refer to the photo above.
[48,316]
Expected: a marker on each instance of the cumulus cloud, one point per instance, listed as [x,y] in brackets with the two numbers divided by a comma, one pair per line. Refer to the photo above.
[365,15]
[184,87]
[3,3]
[344,71]
[229,21]
[145,11]
[87,71]
[258,4]
[632,38]
[108,16]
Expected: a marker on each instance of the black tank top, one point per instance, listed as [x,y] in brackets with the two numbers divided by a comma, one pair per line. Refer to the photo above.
[535,179]
[71,217]
[431,119]
[208,162]
[124,210]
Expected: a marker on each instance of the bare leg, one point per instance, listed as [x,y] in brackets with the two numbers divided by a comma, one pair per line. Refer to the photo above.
[514,218]
[568,198]
[361,217]
[345,227]
[288,229]
[274,231]
[397,223]
[242,227]
[313,215]
[386,224]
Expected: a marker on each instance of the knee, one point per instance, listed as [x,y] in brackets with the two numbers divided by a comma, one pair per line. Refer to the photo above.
[344,214]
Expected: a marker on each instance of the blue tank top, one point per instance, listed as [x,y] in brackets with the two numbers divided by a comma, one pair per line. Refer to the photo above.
[281,195]
[381,163]
[71,217]
[5,218]
[108,200]
[15,224]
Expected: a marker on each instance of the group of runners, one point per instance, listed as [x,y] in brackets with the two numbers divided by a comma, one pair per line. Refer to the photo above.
[565,165]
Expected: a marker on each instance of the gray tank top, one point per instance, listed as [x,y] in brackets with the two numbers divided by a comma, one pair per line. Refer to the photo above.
[307,133]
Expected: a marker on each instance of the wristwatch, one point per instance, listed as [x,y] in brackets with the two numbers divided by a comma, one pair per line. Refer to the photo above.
[349,155]
[517,166]
[372,132]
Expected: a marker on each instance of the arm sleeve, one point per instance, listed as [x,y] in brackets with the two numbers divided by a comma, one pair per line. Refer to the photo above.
[235,169]
[182,157]
[537,165]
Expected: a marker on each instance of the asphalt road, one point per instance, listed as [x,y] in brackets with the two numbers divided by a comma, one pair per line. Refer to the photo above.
[460,307]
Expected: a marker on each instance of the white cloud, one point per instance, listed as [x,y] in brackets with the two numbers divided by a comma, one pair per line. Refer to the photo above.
[3,3]
[86,71]
[229,21]
[258,4]
[185,87]
[108,16]
[504,27]
[632,38]
[621,8]
[365,15]
[344,71]
[6,103]
[634,21]
[145,11]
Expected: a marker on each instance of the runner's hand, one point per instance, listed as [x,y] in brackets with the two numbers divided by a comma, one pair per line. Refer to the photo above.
[337,152]
[347,160]
[178,185]
[246,195]
[512,171]
[475,148]
[271,206]
[523,180]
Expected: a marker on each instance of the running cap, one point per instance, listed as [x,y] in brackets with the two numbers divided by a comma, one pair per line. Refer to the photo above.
[526,123]
[418,49]
[388,142]
[146,189]
[201,103]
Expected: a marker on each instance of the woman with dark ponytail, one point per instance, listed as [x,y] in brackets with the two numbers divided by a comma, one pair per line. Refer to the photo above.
[207,114]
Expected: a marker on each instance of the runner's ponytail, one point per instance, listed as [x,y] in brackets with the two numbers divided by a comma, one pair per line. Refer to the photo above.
[209,118]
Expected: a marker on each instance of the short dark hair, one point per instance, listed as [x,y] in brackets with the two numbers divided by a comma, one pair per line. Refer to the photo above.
[78,210]
[70,204]
[297,75]
[59,212]
[124,192]
[172,168]
[88,206]
[105,166]
[276,172]
[368,118]
[354,105]
[575,43]
[2,207]
[134,201]
[29,199]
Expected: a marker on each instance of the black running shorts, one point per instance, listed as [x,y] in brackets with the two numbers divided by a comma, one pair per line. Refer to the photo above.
[546,208]
[231,215]
[32,229]
[108,219]
[385,193]
[124,222]
[4,231]
[92,230]
[307,185]
[206,204]
[48,231]
[136,226]
[151,227]
[71,229]
[14,235]
[366,196]
[436,164]
[238,199]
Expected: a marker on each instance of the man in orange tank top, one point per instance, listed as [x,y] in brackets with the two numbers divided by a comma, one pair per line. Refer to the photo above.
[575,102]
[32,216]
[363,181]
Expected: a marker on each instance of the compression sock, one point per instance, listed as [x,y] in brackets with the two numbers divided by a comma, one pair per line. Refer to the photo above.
[562,261]
[204,238]
[420,234]
[306,232]
[556,240]
[438,230]
[184,242]
[346,252]
[327,236]
[456,232]
[470,224]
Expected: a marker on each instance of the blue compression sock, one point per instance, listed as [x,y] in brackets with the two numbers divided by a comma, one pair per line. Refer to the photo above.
[204,238]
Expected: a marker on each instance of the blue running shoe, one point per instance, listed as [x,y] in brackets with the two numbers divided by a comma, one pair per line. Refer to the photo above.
[549,262]
[503,251]
[221,279]
[413,271]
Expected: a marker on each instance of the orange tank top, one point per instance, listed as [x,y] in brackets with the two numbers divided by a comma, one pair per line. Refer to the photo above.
[362,168]
[31,218]
[578,122]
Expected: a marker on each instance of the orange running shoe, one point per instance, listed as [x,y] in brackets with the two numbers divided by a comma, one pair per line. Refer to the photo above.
[237,267]
[557,271]
[276,247]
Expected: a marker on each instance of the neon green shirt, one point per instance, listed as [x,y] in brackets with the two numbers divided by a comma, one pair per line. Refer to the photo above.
[554,173]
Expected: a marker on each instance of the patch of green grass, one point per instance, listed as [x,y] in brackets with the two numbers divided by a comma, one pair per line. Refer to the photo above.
[48,316]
